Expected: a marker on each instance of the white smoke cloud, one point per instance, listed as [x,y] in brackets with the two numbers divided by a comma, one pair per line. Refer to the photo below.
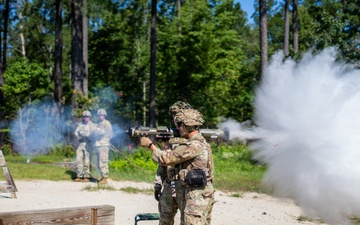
[37,128]
[308,121]
[239,131]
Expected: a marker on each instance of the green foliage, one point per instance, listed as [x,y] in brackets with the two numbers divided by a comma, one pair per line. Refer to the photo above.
[119,56]
[234,168]
[25,82]
[85,103]
[232,153]
[206,53]
[7,149]
[140,159]
[202,60]
[62,151]
[59,152]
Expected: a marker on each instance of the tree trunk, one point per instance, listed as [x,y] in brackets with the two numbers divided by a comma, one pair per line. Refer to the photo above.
[21,26]
[2,68]
[152,105]
[286,28]
[77,74]
[58,52]
[263,36]
[3,53]
[179,15]
[295,26]
[85,47]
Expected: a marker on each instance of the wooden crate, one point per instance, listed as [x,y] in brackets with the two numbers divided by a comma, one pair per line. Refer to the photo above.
[88,215]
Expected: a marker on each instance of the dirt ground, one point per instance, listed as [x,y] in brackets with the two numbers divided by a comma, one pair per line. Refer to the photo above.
[248,209]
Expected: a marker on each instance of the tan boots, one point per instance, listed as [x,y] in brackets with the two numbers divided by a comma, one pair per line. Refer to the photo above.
[103,180]
[79,179]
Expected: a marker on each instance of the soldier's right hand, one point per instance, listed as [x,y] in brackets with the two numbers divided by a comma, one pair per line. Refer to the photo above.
[145,141]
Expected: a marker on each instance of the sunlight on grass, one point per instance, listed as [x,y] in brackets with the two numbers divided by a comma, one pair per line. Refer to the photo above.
[236,195]
[130,190]
[235,172]
[32,171]
[133,190]
[98,187]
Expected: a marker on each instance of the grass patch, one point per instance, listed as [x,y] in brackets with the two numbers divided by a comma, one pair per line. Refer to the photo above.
[35,171]
[133,190]
[135,175]
[98,187]
[236,195]
[234,169]
[238,180]
[355,220]
[130,190]
[302,218]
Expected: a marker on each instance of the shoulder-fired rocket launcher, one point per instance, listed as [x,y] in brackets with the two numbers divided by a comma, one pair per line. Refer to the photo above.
[164,133]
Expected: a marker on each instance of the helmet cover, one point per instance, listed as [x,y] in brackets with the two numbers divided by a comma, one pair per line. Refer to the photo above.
[177,106]
[190,117]
[101,112]
[86,114]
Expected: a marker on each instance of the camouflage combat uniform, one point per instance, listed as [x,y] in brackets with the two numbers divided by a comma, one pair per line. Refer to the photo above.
[172,194]
[84,149]
[103,133]
[171,197]
[196,154]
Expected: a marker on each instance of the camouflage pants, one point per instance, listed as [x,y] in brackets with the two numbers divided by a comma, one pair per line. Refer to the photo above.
[82,161]
[169,205]
[102,153]
[199,204]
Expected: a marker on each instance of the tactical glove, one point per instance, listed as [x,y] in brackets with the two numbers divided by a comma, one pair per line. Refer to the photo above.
[157,191]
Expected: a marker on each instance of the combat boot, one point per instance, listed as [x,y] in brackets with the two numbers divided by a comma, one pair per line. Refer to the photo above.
[78,179]
[103,180]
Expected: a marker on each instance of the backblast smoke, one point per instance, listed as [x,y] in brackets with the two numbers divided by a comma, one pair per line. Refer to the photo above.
[308,124]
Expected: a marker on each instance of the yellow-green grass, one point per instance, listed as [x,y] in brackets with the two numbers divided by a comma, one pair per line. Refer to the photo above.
[234,174]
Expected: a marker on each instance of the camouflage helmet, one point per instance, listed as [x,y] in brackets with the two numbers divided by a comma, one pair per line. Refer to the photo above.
[190,117]
[101,112]
[177,106]
[86,114]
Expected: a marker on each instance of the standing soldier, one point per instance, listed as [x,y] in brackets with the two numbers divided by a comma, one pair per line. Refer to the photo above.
[103,134]
[194,163]
[168,188]
[82,134]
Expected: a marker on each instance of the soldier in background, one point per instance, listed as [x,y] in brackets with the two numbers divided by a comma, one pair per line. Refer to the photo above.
[167,188]
[103,133]
[83,151]
[194,163]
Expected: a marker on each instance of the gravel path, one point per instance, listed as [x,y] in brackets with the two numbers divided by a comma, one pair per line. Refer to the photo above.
[248,209]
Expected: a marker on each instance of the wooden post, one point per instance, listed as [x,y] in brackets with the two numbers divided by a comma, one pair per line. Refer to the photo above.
[10,187]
